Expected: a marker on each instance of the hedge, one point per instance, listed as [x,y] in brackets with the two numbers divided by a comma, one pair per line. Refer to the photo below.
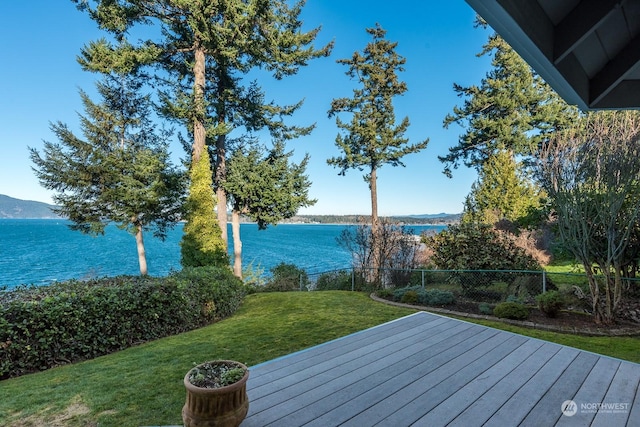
[43,327]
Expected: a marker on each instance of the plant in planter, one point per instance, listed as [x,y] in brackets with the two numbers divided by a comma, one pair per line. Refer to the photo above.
[216,394]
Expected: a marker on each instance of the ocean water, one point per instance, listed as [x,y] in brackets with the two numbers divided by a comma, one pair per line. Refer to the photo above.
[44,251]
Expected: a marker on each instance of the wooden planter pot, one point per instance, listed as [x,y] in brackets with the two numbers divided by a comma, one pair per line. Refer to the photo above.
[216,407]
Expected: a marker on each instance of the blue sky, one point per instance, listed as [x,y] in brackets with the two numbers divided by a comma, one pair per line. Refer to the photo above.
[40,78]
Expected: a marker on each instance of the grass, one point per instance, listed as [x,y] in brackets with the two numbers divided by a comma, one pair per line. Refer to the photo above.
[143,385]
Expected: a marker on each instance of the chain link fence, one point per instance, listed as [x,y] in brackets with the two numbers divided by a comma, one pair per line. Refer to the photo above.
[474,285]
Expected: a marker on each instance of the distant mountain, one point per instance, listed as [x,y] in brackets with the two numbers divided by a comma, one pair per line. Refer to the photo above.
[24,209]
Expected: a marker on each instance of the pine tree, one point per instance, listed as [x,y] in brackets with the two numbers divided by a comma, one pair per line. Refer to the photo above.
[202,243]
[372,138]
[502,191]
[266,187]
[120,172]
[512,109]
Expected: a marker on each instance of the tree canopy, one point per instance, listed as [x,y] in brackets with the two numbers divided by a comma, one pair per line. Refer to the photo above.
[502,191]
[206,48]
[120,172]
[512,109]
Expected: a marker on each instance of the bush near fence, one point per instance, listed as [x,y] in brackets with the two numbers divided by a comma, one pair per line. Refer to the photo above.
[42,327]
[478,286]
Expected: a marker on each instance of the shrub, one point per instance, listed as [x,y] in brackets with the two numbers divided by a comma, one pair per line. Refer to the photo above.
[287,277]
[438,297]
[385,293]
[417,295]
[334,280]
[211,285]
[550,303]
[472,246]
[42,327]
[485,308]
[511,310]
[513,298]
[409,297]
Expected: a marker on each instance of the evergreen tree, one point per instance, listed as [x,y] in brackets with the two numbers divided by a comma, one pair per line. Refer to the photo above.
[206,42]
[266,187]
[119,173]
[512,109]
[202,243]
[502,191]
[372,138]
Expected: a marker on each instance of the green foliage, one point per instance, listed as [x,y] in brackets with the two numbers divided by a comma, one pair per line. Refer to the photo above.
[502,191]
[385,293]
[373,138]
[253,335]
[120,172]
[550,303]
[334,280]
[485,308]
[471,246]
[287,277]
[253,277]
[267,326]
[216,374]
[202,244]
[511,310]
[409,297]
[418,295]
[511,109]
[43,327]
[215,291]
[265,186]
[206,48]
[438,297]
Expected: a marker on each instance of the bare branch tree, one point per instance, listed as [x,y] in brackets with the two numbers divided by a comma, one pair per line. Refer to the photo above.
[592,175]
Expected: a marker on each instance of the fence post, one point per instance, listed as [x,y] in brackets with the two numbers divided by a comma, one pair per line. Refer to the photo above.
[422,271]
[353,279]
[544,281]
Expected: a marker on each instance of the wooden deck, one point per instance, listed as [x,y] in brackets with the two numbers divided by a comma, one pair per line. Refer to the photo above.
[429,370]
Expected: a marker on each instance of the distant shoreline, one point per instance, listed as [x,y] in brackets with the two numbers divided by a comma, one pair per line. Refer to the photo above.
[12,208]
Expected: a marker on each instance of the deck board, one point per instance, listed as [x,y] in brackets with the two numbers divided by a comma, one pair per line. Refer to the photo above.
[429,370]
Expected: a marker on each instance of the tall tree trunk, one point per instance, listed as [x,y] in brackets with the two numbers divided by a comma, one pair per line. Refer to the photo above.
[199,131]
[220,170]
[237,243]
[219,178]
[375,227]
[142,257]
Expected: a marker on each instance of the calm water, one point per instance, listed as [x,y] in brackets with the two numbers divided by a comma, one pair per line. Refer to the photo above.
[42,251]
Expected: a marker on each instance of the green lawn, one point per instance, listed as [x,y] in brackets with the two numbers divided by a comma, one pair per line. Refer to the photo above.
[143,385]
